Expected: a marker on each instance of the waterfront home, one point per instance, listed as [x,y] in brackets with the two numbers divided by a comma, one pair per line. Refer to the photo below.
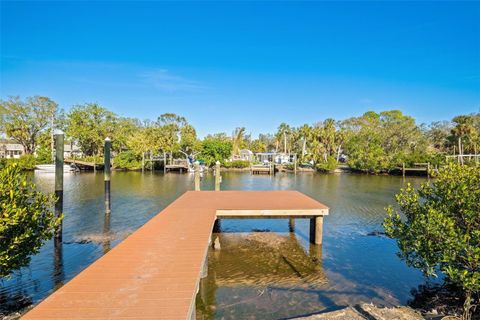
[10,149]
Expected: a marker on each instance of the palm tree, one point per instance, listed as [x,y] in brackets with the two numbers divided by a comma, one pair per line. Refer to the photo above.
[304,132]
[237,140]
[283,131]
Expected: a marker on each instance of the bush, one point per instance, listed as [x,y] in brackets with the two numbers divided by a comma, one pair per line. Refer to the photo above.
[26,219]
[127,160]
[441,228]
[330,165]
[25,162]
[370,159]
[238,164]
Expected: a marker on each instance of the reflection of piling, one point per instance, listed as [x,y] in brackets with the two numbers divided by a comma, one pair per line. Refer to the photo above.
[218,177]
[106,233]
[106,170]
[315,253]
[59,140]
[58,263]
[197,176]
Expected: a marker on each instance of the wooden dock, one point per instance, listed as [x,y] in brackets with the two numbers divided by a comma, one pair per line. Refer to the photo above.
[84,165]
[262,169]
[177,165]
[416,168]
[155,272]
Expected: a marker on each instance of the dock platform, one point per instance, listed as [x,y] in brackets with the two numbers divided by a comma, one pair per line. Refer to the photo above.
[155,272]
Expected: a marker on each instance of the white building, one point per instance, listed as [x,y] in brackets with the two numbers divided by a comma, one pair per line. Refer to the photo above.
[10,149]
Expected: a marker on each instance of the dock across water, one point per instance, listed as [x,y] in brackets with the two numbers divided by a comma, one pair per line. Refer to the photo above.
[155,272]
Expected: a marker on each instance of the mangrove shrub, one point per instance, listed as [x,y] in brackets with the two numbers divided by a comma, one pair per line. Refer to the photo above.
[26,219]
[440,228]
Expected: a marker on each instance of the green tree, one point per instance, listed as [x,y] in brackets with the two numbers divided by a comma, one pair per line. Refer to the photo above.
[26,219]
[257,145]
[378,142]
[25,121]
[466,132]
[216,148]
[438,134]
[189,144]
[169,135]
[440,228]
[89,125]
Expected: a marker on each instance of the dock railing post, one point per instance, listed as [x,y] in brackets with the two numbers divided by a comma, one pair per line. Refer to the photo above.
[197,176]
[218,177]
[59,145]
[106,170]
[403,169]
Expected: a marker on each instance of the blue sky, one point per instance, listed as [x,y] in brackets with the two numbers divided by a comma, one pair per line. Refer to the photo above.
[252,64]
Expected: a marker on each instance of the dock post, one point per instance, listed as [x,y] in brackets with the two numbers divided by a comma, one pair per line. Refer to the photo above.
[428,169]
[59,141]
[295,165]
[197,176]
[106,170]
[164,162]
[291,224]
[143,162]
[218,177]
[316,230]
[403,169]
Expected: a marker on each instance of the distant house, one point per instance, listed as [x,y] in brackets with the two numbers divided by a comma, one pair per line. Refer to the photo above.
[275,157]
[71,150]
[244,154]
[10,149]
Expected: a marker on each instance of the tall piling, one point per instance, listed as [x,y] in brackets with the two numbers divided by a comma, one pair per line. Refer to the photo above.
[59,143]
[106,170]
[218,176]
[197,176]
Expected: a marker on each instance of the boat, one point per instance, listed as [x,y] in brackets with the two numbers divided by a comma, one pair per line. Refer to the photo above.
[51,168]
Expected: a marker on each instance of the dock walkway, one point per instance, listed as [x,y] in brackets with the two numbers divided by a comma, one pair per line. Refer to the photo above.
[155,272]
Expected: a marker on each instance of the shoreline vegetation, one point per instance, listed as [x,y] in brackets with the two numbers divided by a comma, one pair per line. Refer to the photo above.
[375,143]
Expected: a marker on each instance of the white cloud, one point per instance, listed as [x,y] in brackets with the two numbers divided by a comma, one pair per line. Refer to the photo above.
[163,80]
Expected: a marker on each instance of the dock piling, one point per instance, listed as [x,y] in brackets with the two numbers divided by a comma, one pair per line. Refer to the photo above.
[218,176]
[197,176]
[59,141]
[106,170]
[316,230]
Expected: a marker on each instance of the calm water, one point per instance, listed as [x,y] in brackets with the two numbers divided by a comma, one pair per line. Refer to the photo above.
[262,270]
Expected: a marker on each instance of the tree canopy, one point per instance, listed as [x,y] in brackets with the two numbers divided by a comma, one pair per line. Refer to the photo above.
[25,121]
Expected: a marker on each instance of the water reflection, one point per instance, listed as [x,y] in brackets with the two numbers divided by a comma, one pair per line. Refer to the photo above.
[359,268]
[106,233]
[58,272]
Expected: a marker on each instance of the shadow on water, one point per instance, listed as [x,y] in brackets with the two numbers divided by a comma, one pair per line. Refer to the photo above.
[255,273]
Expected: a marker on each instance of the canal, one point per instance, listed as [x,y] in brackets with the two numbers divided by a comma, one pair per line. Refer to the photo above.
[265,269]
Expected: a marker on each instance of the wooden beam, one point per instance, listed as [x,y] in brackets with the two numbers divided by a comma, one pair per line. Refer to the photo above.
[271,213]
